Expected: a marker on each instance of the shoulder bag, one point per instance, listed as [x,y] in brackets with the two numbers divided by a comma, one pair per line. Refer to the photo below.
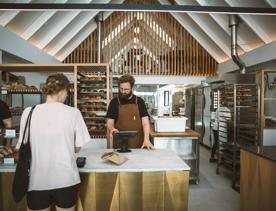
[21,177]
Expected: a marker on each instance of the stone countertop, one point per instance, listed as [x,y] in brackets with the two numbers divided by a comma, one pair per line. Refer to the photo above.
[268,152]
[139,160]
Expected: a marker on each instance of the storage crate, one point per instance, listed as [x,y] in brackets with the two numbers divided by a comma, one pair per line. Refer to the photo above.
[170,124]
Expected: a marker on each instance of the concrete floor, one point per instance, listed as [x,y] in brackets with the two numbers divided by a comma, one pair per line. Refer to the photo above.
[214,192]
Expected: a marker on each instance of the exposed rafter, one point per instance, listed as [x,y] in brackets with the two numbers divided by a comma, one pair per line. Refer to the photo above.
[207,24]
[7,16]
[137,7]
[81,35]
[246,37]
[70,31]
[54,26]
[253,22]
[199,35]
[39,22]
[57,32]
[272,3]
[15,45]
[258,57]
[78,38]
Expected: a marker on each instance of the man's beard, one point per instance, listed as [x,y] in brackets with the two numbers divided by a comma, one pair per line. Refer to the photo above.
[124,97]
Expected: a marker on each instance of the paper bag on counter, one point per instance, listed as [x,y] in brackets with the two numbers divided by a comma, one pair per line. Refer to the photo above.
[114,157]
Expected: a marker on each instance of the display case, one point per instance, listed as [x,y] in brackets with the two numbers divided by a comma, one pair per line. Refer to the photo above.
[237,125]
[93,96]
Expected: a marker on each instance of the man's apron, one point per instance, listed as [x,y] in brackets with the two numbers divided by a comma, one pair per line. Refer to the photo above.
[129,120]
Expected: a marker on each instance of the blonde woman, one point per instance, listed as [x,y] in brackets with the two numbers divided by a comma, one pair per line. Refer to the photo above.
[57,132]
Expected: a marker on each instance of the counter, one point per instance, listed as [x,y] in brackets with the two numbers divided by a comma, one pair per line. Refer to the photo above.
[267,152]
[187,134]
[257,181]
[185,144]
[149,180]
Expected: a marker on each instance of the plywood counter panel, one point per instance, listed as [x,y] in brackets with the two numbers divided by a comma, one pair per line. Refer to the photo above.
[258,182]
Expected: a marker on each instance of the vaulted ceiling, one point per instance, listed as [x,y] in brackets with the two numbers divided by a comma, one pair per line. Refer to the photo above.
[59,33]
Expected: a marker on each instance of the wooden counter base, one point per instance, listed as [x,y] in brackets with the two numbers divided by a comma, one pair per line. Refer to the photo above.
[258,183]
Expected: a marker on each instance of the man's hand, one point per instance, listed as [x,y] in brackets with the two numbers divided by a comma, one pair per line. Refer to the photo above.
[112,131]
[147,145]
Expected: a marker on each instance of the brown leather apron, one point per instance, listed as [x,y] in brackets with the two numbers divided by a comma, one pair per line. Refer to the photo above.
[129,120]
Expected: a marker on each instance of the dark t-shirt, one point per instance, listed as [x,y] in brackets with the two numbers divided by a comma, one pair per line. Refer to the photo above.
[4,112]
[113,108]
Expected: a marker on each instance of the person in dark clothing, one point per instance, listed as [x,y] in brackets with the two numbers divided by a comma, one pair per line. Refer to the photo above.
[214,126]
[5,119]
[127,112]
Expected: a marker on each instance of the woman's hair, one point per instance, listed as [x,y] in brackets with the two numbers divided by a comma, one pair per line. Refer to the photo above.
[127,79]
[55,83]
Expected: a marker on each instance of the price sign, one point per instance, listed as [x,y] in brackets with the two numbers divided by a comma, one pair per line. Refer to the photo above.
[10,133]
[4,91]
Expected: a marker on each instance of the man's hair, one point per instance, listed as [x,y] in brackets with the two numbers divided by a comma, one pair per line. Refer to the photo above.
[127,79]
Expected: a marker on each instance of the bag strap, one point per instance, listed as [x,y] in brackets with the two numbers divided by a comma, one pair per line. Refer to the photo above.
[28,125]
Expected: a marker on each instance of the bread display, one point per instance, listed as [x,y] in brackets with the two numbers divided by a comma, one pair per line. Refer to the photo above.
[92,98]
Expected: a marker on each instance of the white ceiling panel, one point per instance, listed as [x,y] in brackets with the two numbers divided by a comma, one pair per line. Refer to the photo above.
[35,25]
[59,33]
[201,37]
[7,16]
[68,32]
[261,25]
[247,39]
[22,21]
[52,28]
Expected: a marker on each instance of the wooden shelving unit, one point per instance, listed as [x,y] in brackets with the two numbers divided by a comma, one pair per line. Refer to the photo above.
[93,96]
[100,89]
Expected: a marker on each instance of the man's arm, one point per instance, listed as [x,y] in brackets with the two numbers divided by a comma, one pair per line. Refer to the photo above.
[146,130]
[110,126]
[7,122]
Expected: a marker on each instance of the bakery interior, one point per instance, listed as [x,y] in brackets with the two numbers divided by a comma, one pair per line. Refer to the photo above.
[192,60]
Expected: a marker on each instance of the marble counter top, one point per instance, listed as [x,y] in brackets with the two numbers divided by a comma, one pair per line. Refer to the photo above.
[139,161]
[268,152]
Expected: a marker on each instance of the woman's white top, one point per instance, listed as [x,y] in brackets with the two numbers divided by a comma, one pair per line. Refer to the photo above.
[55,130]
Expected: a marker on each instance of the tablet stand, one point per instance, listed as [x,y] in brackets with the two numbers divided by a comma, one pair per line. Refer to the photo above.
[124,137]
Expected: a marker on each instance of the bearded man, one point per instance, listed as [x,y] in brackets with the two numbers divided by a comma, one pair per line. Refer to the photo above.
[128,112]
